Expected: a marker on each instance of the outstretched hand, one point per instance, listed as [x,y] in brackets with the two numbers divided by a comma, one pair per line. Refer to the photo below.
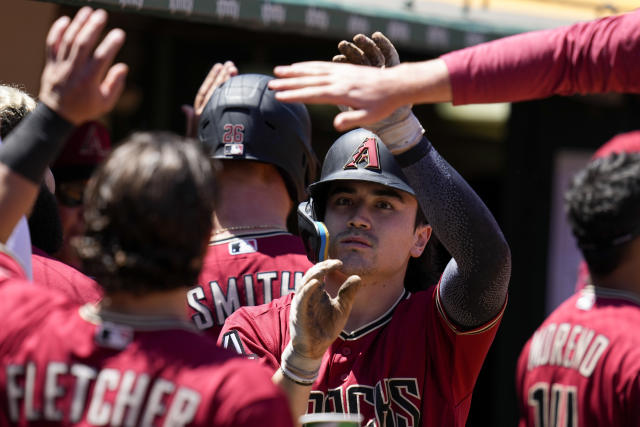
[79,81]
[316,318]
[372,93]
[218,74]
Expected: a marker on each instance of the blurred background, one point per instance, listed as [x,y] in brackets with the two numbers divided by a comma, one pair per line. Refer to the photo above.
[518,157]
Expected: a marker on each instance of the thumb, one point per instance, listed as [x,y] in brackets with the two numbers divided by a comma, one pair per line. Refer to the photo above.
[350,119]
[347,292]
[113,84]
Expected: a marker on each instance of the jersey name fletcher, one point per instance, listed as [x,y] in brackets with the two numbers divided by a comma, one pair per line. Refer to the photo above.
[106,396]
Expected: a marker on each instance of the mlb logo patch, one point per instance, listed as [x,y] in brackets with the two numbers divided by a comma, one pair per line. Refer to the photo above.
[113,336]
[233,149]
[243,246]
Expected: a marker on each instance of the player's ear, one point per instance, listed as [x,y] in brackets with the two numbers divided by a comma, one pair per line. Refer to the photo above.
[421,236]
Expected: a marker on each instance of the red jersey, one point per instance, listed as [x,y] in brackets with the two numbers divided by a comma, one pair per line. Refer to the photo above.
[54,274]
[70,365]
[582,365]
[409,367]
[588,57]
[245,270]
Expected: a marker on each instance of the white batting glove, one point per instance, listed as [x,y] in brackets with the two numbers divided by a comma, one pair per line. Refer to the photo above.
[315,321]
[401,130]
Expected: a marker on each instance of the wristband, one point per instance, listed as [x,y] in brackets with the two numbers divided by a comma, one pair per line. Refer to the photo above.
[402,135]
[35,143]
[299,369]
[295,378]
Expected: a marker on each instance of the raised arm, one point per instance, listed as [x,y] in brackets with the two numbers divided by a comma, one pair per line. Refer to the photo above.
[588,57]
[78,84]
[592,57]
[473,288]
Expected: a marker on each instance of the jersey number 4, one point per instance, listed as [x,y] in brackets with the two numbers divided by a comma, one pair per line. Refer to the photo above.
[555,406]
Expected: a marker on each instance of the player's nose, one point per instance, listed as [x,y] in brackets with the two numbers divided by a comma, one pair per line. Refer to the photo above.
[360,218]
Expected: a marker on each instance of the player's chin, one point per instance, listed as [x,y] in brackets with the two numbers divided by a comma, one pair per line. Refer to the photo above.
[354,262]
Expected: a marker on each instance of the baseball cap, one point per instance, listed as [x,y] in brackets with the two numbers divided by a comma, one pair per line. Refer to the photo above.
[628,142]
[88,146]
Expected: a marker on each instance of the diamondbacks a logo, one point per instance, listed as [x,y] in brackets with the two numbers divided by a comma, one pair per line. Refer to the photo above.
[92,144]
[367,153]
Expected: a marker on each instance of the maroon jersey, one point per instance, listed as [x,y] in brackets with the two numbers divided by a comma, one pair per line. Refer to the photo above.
[582,365]
[53,274]
[245,270]
[410,367]
[68,364]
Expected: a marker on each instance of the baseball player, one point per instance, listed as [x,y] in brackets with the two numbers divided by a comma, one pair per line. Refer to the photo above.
[264,148]
[628,142]
[134,359]
[87,148]
[354,338]
[44,221]
[581,366]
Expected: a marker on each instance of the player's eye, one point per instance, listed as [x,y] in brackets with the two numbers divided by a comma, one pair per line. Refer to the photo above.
[383,204]
[342,201]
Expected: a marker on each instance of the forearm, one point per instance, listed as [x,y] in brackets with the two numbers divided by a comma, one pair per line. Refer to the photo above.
[592,57]
[24,157]
[474,285]
[425,82]
[297,394]
[17,196]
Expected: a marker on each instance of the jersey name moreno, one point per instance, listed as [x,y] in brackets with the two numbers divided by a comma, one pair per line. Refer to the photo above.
[570,345]
[117,397]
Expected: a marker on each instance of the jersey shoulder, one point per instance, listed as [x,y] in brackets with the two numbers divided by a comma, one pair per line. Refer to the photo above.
[53,274]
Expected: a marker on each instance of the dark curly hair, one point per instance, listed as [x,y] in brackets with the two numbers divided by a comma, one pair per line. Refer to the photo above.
[148,213]
[603,208]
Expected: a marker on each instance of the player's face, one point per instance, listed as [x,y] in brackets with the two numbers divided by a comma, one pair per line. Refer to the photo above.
[372,228]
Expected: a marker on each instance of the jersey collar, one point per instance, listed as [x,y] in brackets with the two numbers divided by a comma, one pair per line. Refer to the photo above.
[92,314]
[612,293]
[249,235]
[377,323]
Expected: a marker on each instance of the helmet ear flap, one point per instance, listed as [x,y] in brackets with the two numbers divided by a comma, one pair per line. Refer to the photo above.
[314,234]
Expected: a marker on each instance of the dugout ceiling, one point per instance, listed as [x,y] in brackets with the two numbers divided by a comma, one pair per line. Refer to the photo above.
[414,24]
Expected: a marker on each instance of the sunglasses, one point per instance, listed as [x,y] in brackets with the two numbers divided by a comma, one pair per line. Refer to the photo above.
[70,193]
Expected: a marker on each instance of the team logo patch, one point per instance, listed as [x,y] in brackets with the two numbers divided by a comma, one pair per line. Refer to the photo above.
[233,149]
[243,246]
[113,336]
[366,153]
[586,301]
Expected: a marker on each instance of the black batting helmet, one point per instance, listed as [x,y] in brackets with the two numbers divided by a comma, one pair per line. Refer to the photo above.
[243,120]
[360,155]
[357,155]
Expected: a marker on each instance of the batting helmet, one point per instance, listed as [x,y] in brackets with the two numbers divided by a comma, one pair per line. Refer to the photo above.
[243,120]
[357,155]
[360,155]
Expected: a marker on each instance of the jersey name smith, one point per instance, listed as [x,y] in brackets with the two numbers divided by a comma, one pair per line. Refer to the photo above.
[252,289]
[73,392]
